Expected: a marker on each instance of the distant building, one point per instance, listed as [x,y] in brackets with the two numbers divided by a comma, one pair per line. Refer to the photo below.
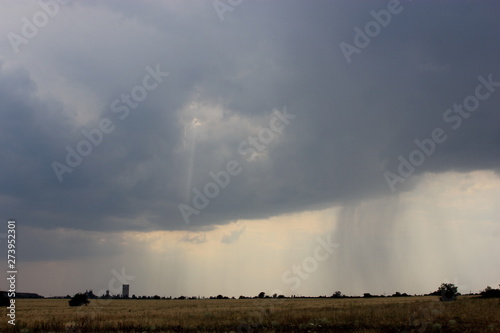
[90,294]
[125,291]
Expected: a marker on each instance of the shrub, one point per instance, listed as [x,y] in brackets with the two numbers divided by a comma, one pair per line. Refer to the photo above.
[448,292]
[490,293]
[79,300]
[4,300]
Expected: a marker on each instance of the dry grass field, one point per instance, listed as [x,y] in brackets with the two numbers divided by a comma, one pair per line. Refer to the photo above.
[414,314]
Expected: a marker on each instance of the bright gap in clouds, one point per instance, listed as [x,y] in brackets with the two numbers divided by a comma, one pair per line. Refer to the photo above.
[444,230]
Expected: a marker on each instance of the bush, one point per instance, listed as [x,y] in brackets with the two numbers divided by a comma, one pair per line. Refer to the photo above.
[4,300]
[448,292]
[337,294]
[490,293]
[79,300]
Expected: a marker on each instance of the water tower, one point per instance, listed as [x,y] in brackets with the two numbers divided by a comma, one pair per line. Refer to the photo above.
[125,291]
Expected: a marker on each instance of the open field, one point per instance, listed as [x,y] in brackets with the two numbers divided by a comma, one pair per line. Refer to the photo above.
[413,314]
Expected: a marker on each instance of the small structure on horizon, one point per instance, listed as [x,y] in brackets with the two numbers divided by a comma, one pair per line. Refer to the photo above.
[125,291]
[90,294]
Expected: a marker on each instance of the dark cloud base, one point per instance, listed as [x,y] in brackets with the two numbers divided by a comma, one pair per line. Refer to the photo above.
[353,120]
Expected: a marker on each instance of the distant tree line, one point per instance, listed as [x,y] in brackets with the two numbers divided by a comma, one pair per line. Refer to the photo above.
[446,292]
[489,292]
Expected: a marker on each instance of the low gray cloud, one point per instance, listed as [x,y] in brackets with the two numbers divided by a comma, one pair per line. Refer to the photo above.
[195,239]
[233,235]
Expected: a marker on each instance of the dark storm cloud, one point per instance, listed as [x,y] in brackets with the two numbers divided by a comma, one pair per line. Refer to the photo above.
[352,120]
[62,244]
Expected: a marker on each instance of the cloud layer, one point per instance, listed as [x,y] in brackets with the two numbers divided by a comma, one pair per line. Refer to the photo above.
[225,80]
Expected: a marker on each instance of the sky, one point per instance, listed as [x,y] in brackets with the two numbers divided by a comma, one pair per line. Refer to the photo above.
[200,148]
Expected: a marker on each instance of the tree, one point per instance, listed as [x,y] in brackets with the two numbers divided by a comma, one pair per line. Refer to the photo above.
[489,292]
[337,294]
[4,300]
[448,292]
[262,294]
[79,300]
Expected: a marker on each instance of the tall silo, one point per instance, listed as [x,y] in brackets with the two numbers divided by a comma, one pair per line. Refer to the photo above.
[125,291]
